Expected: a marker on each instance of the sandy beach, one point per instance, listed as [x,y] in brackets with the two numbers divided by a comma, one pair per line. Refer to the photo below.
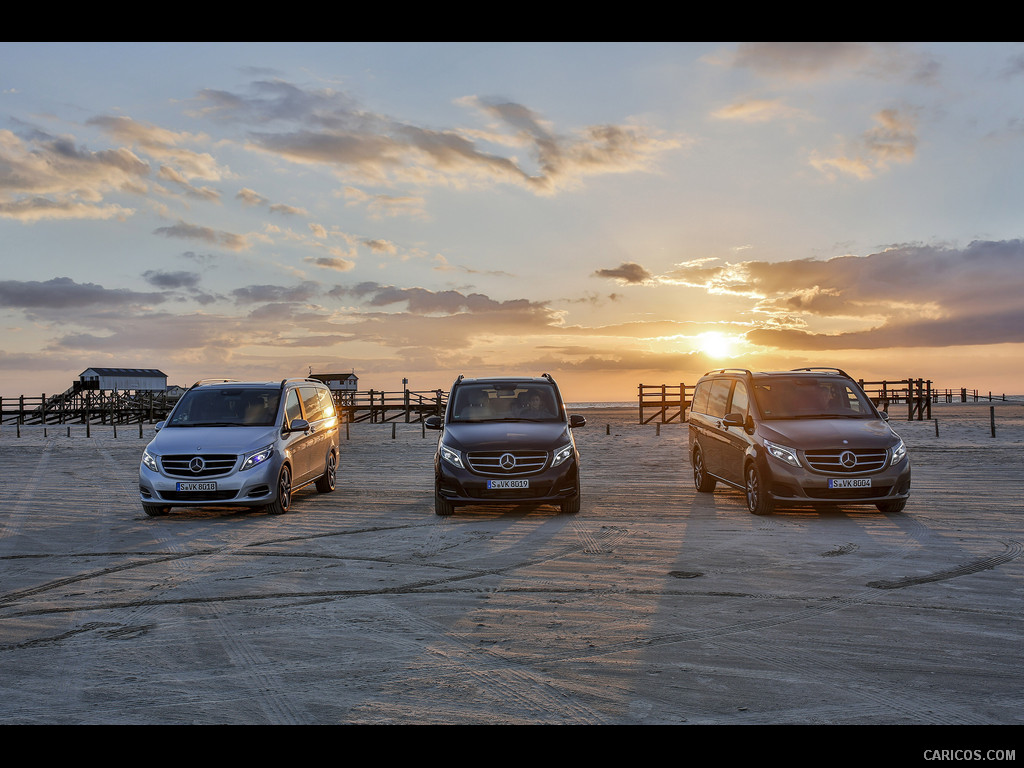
[654,605]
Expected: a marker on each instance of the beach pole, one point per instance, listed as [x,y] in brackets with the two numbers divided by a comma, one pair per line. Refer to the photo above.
[992,419]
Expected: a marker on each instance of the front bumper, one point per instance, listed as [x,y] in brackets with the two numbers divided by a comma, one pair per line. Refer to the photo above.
[797,485]
[251,487]
[550,486]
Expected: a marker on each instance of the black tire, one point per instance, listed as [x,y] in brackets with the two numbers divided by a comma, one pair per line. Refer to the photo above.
[891,507]
[758,500]
[702,481]
[329,480]
[442,506]
[571,506]
[283,501]
[156,510]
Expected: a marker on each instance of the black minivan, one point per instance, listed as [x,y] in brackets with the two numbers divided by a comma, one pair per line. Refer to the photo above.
[808,436]
[506,440]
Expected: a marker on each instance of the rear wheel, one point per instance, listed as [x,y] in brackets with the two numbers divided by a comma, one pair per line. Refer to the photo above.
[758,500]
[701,479]
[155,510]
[329,480]
[283,502]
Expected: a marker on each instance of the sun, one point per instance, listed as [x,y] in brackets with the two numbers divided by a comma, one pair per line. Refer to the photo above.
[714,344]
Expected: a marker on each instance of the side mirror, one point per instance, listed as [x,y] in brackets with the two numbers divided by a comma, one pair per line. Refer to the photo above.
[433,422]
[298,425]
[575,420]
[734,420]
[158,426]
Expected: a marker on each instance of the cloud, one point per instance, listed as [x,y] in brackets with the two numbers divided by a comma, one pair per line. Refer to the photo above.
[759,110]
[932,296]
[188,231]
[325,127]
[275,293]
[51,177]
[65,293]
[171,280]
[892,140]
[800,60]
[628,272]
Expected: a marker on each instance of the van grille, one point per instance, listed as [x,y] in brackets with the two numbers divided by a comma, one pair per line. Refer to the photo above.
[506,463]
[846,461]
[209,465]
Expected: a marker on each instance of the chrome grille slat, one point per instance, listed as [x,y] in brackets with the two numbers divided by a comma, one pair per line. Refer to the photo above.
[831,461]
[179,465]
[490,462]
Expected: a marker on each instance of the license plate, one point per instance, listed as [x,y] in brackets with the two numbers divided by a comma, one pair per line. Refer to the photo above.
[496,485]
[197,486]
[849,482]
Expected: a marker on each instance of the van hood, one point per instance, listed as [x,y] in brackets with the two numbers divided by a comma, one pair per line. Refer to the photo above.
[506,435]
[820,434]
[170,440]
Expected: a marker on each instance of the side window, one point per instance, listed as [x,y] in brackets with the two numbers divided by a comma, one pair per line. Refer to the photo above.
[700,397]
[740,399]
[326,403]
[292,409]
[311,403]
[719,397]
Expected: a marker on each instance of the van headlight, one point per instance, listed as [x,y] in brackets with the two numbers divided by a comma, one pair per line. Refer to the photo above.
[782,453]
[451,456]
[149,461]
[561,455]
[899,452]
[256,458]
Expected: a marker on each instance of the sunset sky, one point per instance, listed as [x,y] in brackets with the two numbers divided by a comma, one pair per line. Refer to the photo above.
[612,214]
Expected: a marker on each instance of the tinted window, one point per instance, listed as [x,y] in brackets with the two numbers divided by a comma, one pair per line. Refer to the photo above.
[504,401]
[311,403]
[740,399]
[292,408]
[811,398]
[226,406]
[700,397]
[719,397]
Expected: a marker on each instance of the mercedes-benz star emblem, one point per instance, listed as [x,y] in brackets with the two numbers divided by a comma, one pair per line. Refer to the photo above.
[848,459]
[197,464]
[507,461]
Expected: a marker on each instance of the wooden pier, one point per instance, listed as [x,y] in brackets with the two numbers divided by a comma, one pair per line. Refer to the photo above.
[114,408]
[664,402]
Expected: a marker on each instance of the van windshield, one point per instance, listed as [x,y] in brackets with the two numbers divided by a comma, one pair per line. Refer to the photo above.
[811,398]
[226,407]
[505,402]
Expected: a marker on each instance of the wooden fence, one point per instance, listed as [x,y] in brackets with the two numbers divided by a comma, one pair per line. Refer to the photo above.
[669,402]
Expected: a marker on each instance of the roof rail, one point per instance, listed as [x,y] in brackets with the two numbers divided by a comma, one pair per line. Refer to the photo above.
[823,370]
[213,381]
[730,370]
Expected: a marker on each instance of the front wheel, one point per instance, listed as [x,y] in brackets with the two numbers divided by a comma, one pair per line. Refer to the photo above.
[758,500]
[891,507]
[283,502]
[442,506]
[571,506]
[329,480]
[155,510]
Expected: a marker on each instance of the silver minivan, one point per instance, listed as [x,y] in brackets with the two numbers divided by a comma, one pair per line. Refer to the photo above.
[249,444]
